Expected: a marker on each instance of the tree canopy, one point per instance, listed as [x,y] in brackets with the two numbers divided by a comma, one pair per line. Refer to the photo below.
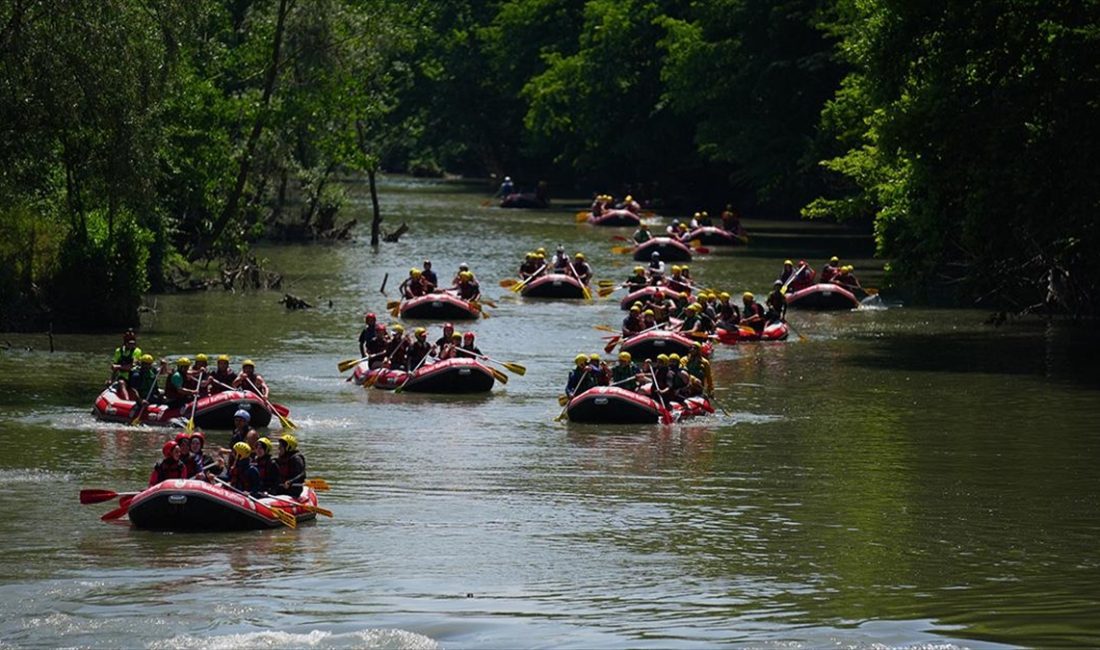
[138,139]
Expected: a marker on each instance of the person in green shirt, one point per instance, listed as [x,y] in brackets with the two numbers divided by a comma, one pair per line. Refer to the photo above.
[642,234]
[625,373]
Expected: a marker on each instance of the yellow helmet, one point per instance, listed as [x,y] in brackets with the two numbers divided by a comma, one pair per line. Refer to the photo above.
[266,442]
[540,250]
[624,356]
[242,449]
[696,215]
[183,361]
[398,327]
[662,358]
[638,270]
[674,358]
[675,268]
[648,312]
[248,362]
[223,357]
[580,358]
[635,309]
[147,358]
[683,226]
[725,295]
[290,440]
[201,357]
[629,198]
[747,296]
[834,259]
[579,256]
[456,337]
[850,268]
[415,272]
[684,268]
[541,256]
[593,357]
[695,307]
[466,275]
[420,331]
[705,213]
[788,263]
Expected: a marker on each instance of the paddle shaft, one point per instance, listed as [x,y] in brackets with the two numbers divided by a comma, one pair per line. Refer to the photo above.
[520,285]
[145,402]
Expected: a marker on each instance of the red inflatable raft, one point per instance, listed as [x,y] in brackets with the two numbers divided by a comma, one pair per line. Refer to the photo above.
[614,405]
[211,412]
[778,331]
[186,505]
[670,249]
[711,236]
[553,285]
[443,305]
[461,375]
[648,345]
[615,218]
[824,296]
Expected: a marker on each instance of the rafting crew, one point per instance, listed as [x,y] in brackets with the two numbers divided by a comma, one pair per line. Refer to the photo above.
[847,279]
[463,268]
[580,269]
[530,266]
[467,287]
[796,278]
[415,285]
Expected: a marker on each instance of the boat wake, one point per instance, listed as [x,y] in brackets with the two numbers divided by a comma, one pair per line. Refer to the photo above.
[369,638]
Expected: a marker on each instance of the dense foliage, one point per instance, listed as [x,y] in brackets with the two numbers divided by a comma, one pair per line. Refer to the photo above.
[140,138]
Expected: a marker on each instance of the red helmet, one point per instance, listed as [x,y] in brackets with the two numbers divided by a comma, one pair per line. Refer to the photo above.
[200,436]
[468,336]
[168,448]
[370,316]
[184,437]
[448,326]
[380,328]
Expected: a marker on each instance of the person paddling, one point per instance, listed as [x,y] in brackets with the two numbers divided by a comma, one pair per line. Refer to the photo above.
[177,391]
[846,279]
[752,314]
[250,380]
[581,269]
[626,373]
[830,270]
[467,288]
[776,303]
[429,275]
[292,467]
[642,234]
[242,428]
[223,376]
[419,349]
[126,354]
[367,334]
[468,347]
[580,378]
[414,286]
[266,467]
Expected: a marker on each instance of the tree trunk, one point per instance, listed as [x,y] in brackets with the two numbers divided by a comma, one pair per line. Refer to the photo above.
[376,223]
[232,203]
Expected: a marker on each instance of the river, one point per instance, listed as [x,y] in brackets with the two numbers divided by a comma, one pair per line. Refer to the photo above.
[900,477]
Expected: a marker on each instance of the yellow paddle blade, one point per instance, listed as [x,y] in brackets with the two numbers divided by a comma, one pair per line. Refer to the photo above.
[319,484]
[508,283]
[870,291]
[285,421]
[515,367]
[581,217]
[347,364]
[604,292]
[563,400]
[395,312]
[605,283]
[622,250]
[318,509]
[695,243]
[289,520]
[499,376]
[605,328]
[393,304]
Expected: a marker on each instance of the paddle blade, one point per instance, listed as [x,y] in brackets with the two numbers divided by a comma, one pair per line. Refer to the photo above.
[121,510]
[611,344]
[515,367]
[604,292]
[288,520]
[392,304]
[319,484]
[563,400]
[605,328]
[508,283]
[666,416]
[605,283]
[702,250]
[96,496]
[619,238]
[581,217]
[318,509]
[285,421]
[347,364]
[622,250]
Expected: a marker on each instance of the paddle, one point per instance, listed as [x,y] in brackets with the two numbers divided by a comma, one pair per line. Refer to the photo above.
[283,516]
[605,283]
[99,496]
[582,216]
[348,364]
[622,250]
[283,420]
[519,285]
[563,399]
[305,506]
[395,311]
[666,416]
[145,402]
[508,283]
[584,287]
[605,328]
[615,339]
[620,238]
[783,289]
[566,406]
[385,279]
[512,366]
[797,333]
[604,292]
[411,373]
[319,484]
[476,306]
[121,510]
[190,428]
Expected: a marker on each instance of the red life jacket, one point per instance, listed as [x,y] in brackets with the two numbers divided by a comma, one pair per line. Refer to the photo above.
[167,469]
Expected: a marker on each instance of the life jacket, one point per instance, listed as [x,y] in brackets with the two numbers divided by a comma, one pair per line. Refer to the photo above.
[243,475]
[167,469]
[468,290]
[227,378]
[626,375]
[828,272]
[171,391]
[268,471]
[292,467]
[418,351]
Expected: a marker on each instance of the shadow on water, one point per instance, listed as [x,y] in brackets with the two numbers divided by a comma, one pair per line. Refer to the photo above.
[1059,353]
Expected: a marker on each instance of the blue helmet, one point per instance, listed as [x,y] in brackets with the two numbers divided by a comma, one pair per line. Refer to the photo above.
[243,414]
